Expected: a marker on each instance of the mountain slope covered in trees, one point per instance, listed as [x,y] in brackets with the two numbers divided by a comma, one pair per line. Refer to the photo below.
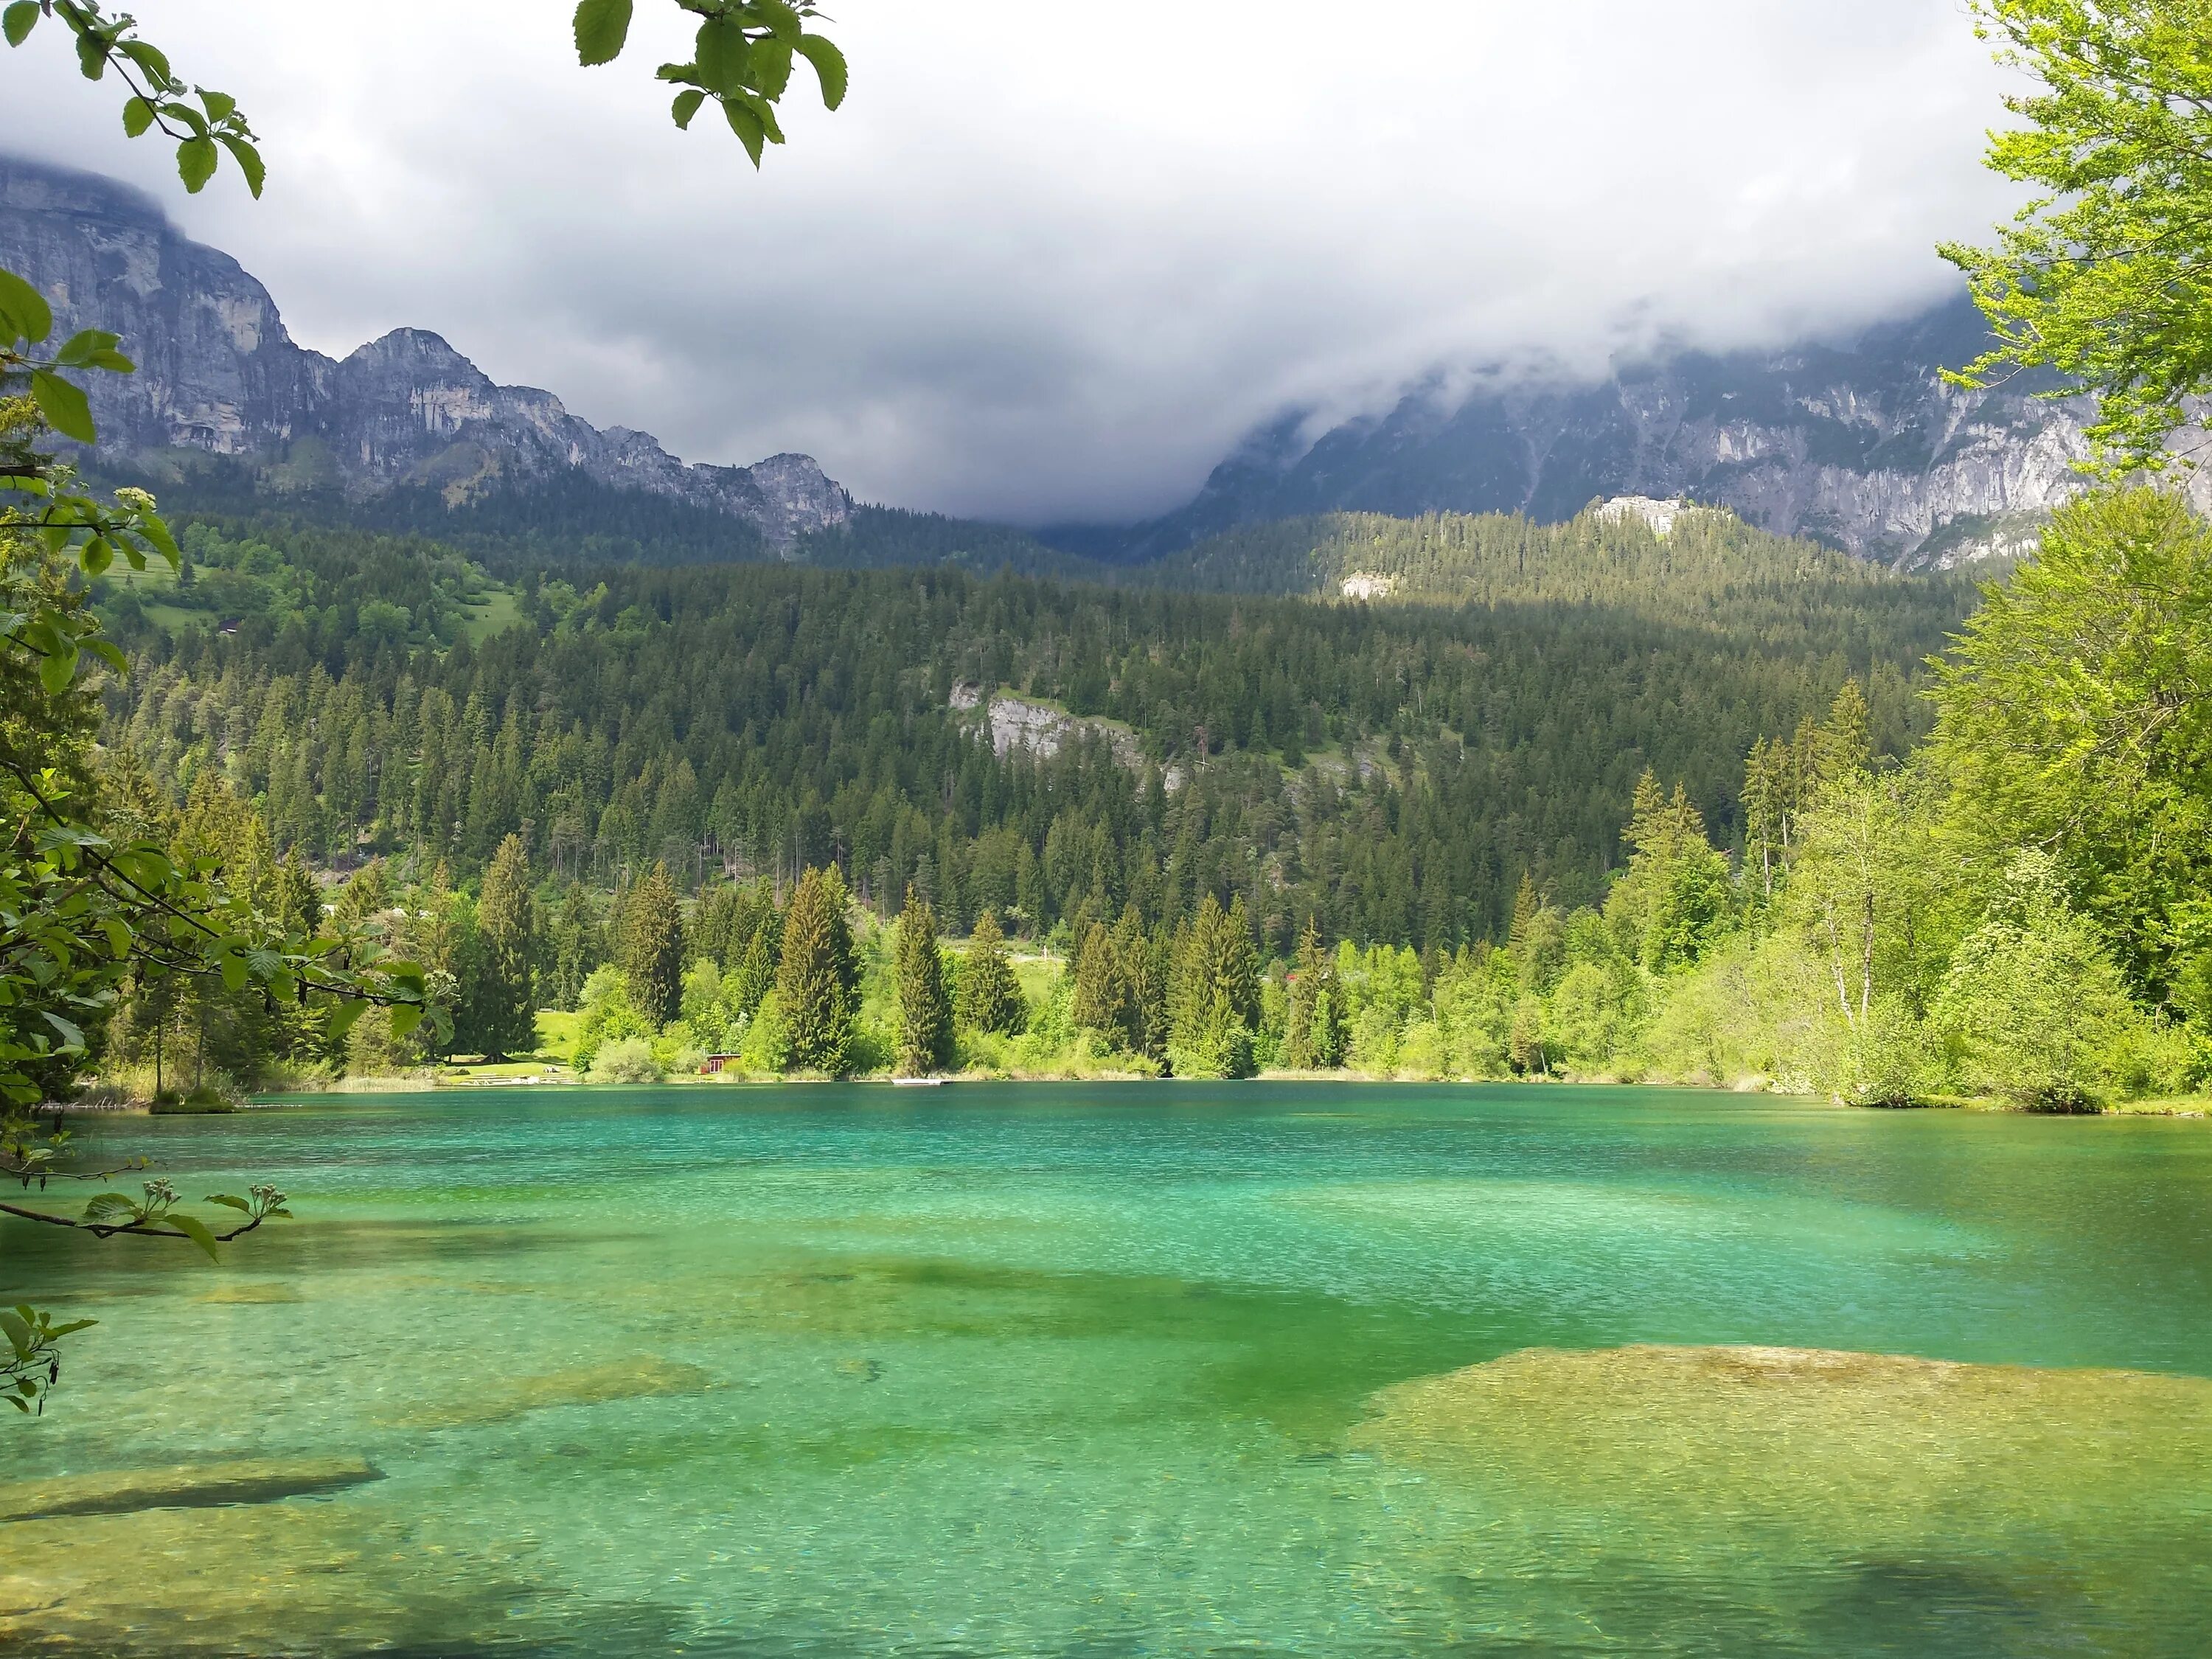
[1392,769]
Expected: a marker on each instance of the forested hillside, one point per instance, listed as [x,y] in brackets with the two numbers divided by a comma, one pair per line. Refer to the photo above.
[1392,769]
[1709,566]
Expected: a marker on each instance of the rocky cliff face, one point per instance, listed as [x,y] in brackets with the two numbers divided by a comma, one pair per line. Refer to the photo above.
[218,373]
[1862,445]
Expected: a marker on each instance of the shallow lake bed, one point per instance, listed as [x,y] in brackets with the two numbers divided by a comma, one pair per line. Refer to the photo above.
[1086,1370]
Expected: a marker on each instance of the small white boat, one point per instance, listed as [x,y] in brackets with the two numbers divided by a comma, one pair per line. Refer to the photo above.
[917,1082]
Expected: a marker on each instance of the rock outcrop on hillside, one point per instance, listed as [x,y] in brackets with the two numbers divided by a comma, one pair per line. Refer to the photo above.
[218,373]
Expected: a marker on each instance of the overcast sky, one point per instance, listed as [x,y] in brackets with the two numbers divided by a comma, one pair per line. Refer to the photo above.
[1051,259]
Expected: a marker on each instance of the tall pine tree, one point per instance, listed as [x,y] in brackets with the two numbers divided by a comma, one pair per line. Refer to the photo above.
[501,1006]
[1101,990]
[925,1013]
[990,1000]
[816,980]
[1313,1037]
[652,947]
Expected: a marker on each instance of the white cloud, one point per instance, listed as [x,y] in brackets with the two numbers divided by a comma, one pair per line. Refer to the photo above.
[1052,260]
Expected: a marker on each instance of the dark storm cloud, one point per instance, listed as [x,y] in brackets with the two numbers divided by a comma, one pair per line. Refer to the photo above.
[1053,261]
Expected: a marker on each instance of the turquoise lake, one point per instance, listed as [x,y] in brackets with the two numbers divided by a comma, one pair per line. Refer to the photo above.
[1128,1370]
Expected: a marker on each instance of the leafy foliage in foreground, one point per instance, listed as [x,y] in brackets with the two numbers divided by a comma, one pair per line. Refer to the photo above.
[2106,275]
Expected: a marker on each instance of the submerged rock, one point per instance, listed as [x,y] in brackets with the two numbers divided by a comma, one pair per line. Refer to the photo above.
[188,1485]
[1757,1499]
[497,1400]
[1858,1450]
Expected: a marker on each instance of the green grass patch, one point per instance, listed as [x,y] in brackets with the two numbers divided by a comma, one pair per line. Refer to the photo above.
[497,612]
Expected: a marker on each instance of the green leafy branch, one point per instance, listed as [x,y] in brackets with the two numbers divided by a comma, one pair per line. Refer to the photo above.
[2106,276]
[117,1215]
[158,98]
[742,60]
[32,1365]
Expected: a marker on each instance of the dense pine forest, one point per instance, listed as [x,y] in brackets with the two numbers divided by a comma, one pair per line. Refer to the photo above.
[1392,769]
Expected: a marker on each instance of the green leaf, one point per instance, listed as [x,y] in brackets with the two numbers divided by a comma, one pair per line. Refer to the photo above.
[243,152]
[15,23]
[58,669]
[344,1017]
[747,125]
[69,1329]
[771,68]
[779,19]
[220,105]
[602,28]
[62,403]
[152,61]
[24,309]
[71,1034]
[196,1230]
[234,971]
[106,1207]
[19,1333]
[405,1017]
[687,106]
[229,1202]
[196,163]
[96,556]
[137,116]
[155,531]
[82,347]
[763,112]
[828,67]
[723,51]
[91,57]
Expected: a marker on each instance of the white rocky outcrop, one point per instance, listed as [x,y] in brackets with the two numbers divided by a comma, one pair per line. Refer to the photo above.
[1017,724]
[1658,514]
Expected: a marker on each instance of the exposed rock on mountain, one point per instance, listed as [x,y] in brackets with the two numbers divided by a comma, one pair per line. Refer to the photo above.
[1017,723]
[1862,445]
[218,373]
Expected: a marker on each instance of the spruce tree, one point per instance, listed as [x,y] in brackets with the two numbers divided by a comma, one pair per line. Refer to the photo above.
[576,945]
[1237,966]
[1145,1002]
[1216,1004]
[1101,994]
[816,980]
[501,1000]
[750,981]
[1846,742]
[1527,903]
[925,1013]
[652,947]
[990,998]
[1310,1041]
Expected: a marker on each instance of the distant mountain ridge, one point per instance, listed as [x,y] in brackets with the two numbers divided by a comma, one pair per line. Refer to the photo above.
[218,374]
[1861,446]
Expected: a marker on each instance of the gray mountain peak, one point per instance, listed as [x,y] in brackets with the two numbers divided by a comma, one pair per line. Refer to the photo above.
[217,374]
[1861,444]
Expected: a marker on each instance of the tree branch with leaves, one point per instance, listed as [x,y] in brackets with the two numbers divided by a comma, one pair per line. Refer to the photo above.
[2106,275]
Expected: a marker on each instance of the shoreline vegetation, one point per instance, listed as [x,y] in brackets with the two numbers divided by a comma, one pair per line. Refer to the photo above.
[2014,908]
